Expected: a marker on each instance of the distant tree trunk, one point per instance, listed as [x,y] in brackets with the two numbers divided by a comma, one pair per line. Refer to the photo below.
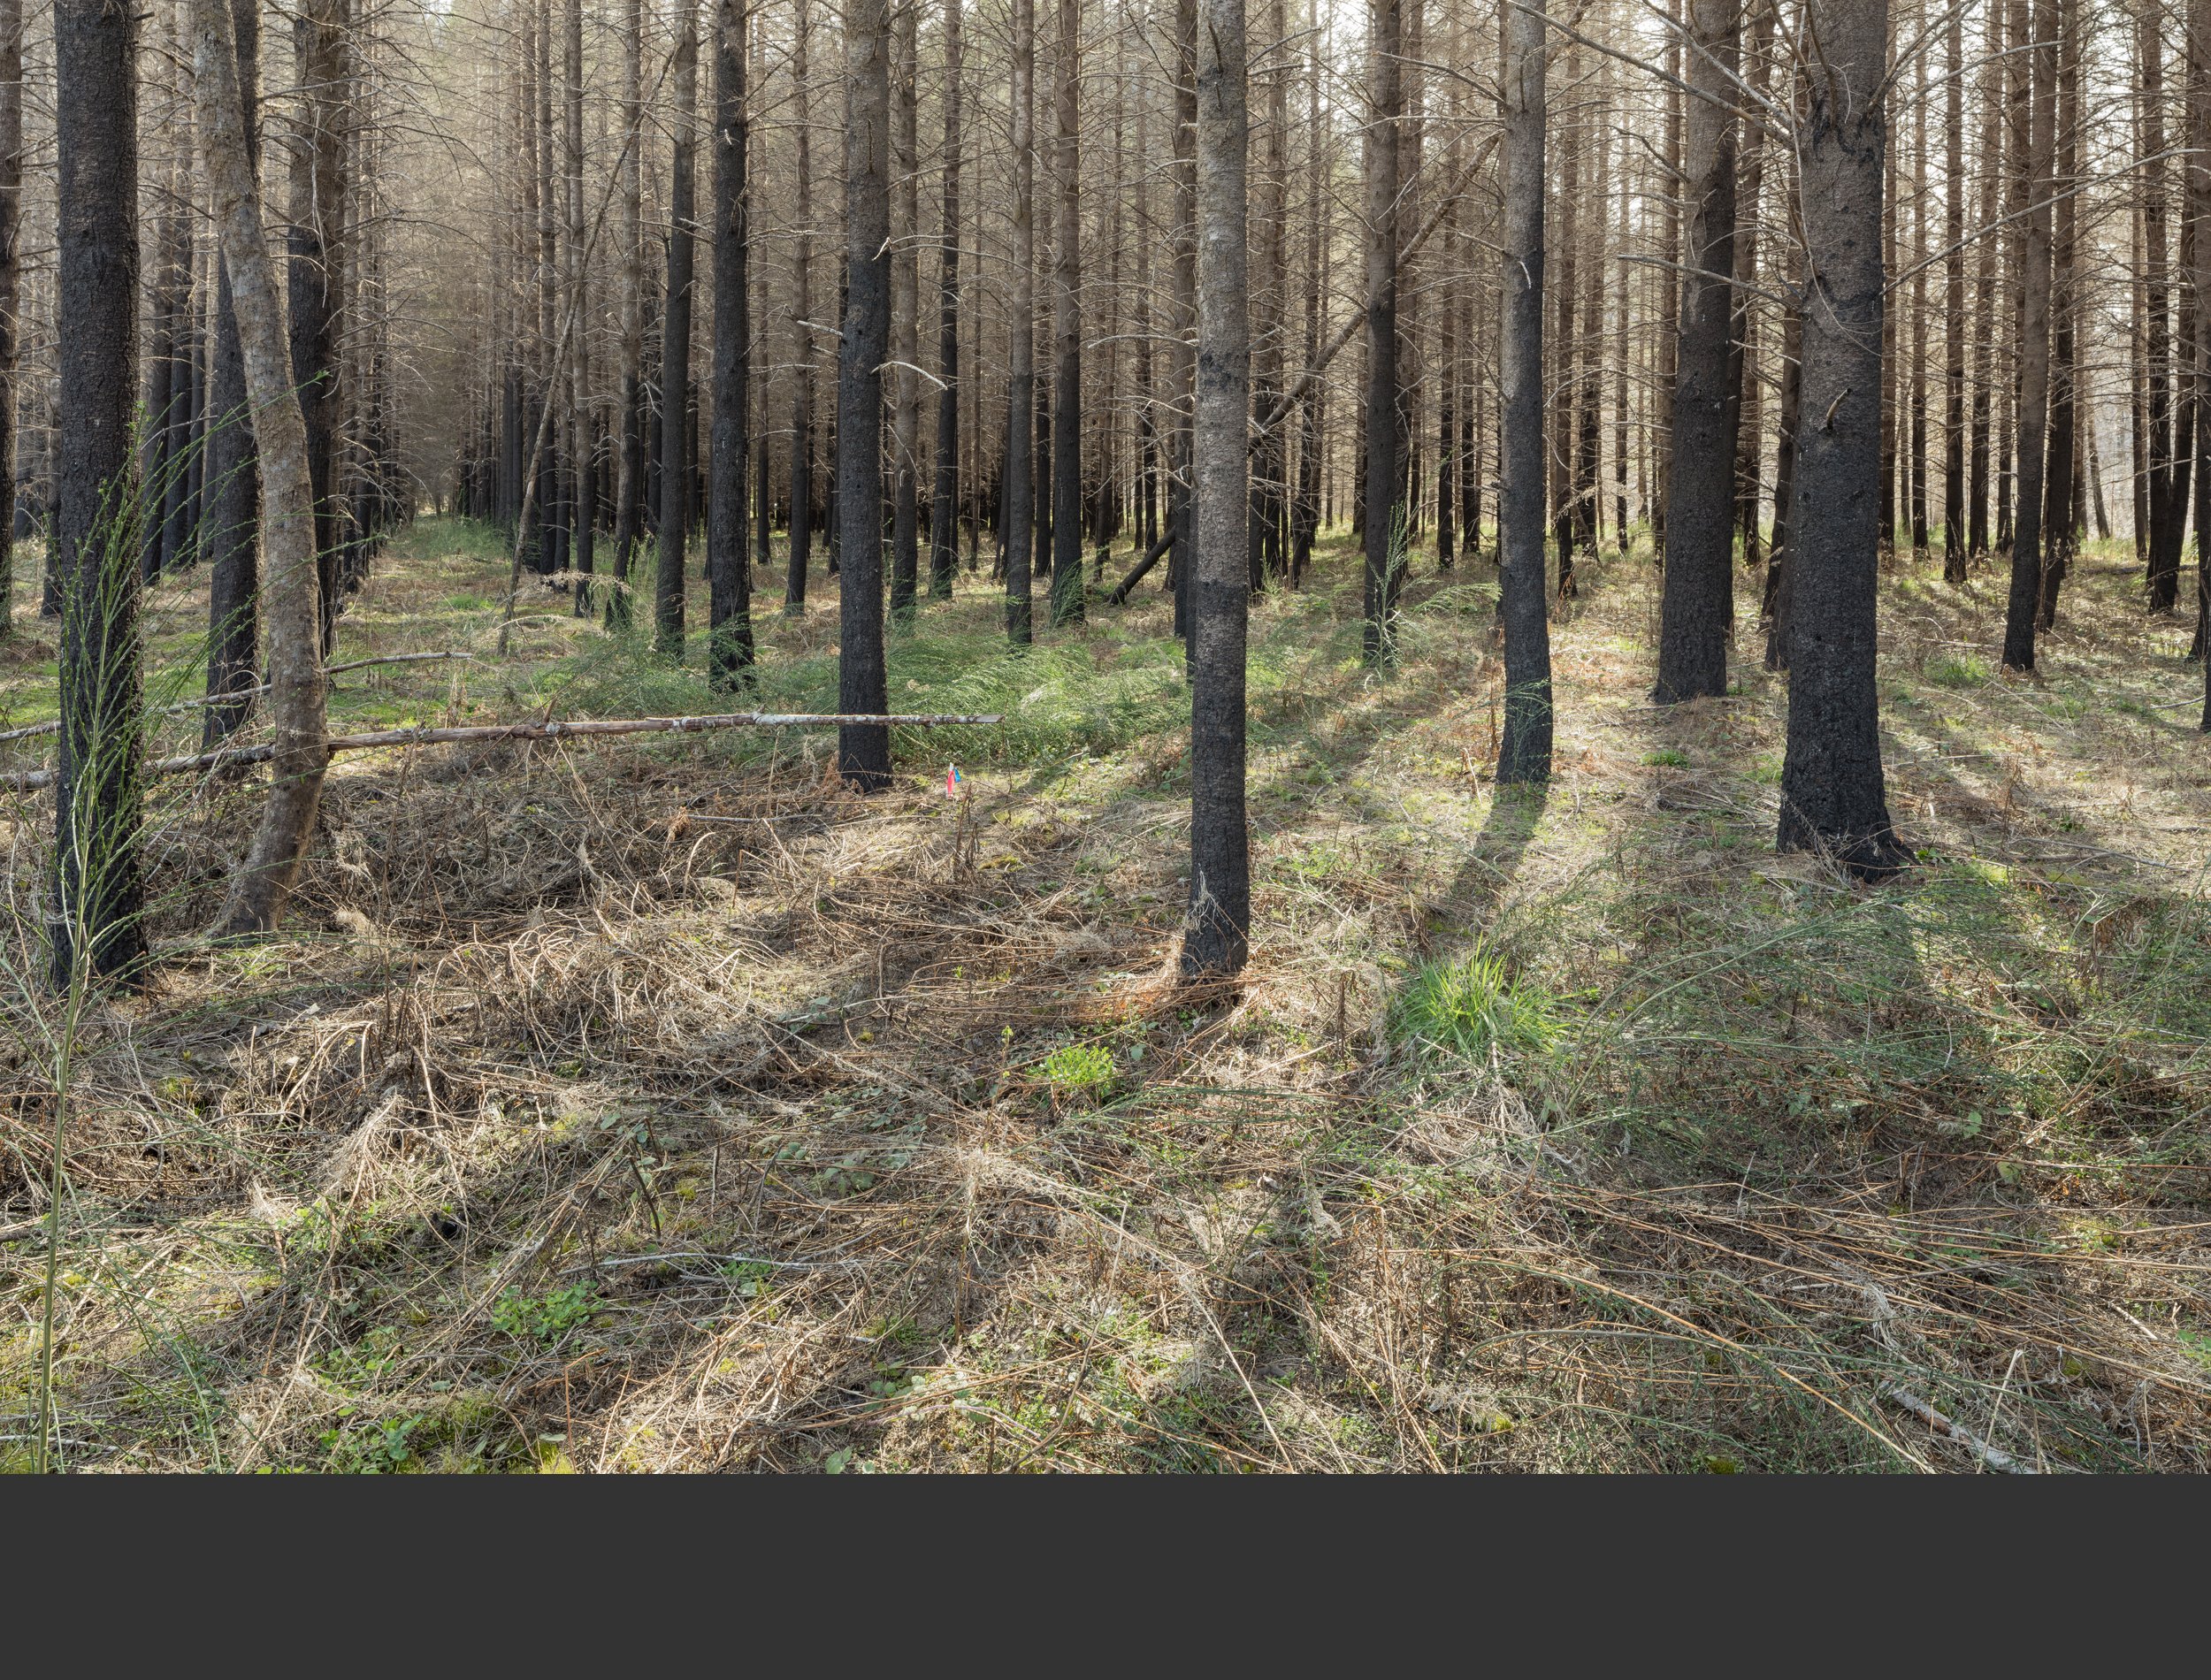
[1216,933]
[1697,611]
[730,633]
[630,395]
[312,243]
[1017,529]
[1183,363]
[297,705]
[2199,211]
[2060,508]
[233,473]
[10,290]
[1777,592]
[583,418]
[667,592]
[1833,799]
[1953,325]
[863,750]
[11,286]
[1384,535]
[98,887]
[1067,331]
[2034,349]
[943,557]
[2163,578]
[802,335]
[906,386]
[1984,284]
[1525,753]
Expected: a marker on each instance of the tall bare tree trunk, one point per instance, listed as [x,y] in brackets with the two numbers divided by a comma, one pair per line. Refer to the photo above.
[802,335]
[313,242]
[1697,611]
[1954,324]
[1216,933]
[729,578]
[11,286]
[1833,795]
[583,417]
[1384,533]
[944,509]
[1019,488]
[99,890]
[668,588]
[1524,755]
[2034,347]
[906,384]
[297,705]
[630,395]
[234,473]
[863,750]
[1067,329]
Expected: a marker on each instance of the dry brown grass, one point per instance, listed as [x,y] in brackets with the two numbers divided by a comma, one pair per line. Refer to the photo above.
[669,1108]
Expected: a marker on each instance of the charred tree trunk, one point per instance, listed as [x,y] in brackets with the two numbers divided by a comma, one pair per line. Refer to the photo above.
[234,471]
[1384,532]
[863,750]
[906,403]
[1697,609]
[1067,331]
[729,625]
[630,395]
[802,335]
[1216,933]
[668,588]
[1017,525]
[2034,348]
[943,557]
[1834,797]
[1525,754]
[99,893]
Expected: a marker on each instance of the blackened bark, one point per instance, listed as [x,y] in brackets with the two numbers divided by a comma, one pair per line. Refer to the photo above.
[233,470]
[11,286]
[675,486]
[583,417]
[1833,797]
[98,887]
[1016,526]
[1216,932]
[863,750]
[1525,753]
[906,386]
[802,542]
[2034,349]
[1696,613]
[730,627]
[944,558]
[1953,329]
[1383,534]
[630,392]
[1067,332]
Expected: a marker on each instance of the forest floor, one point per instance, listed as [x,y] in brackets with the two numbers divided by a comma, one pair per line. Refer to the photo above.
[657,1105]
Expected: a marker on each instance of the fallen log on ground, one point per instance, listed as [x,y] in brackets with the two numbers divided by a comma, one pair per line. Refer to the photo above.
[551,729]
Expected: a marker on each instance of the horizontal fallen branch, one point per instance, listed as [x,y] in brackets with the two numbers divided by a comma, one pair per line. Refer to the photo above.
[1991,1455]
[230,696]
[30,782]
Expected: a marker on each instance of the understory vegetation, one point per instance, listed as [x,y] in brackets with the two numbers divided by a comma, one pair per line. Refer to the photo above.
[663,1104]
